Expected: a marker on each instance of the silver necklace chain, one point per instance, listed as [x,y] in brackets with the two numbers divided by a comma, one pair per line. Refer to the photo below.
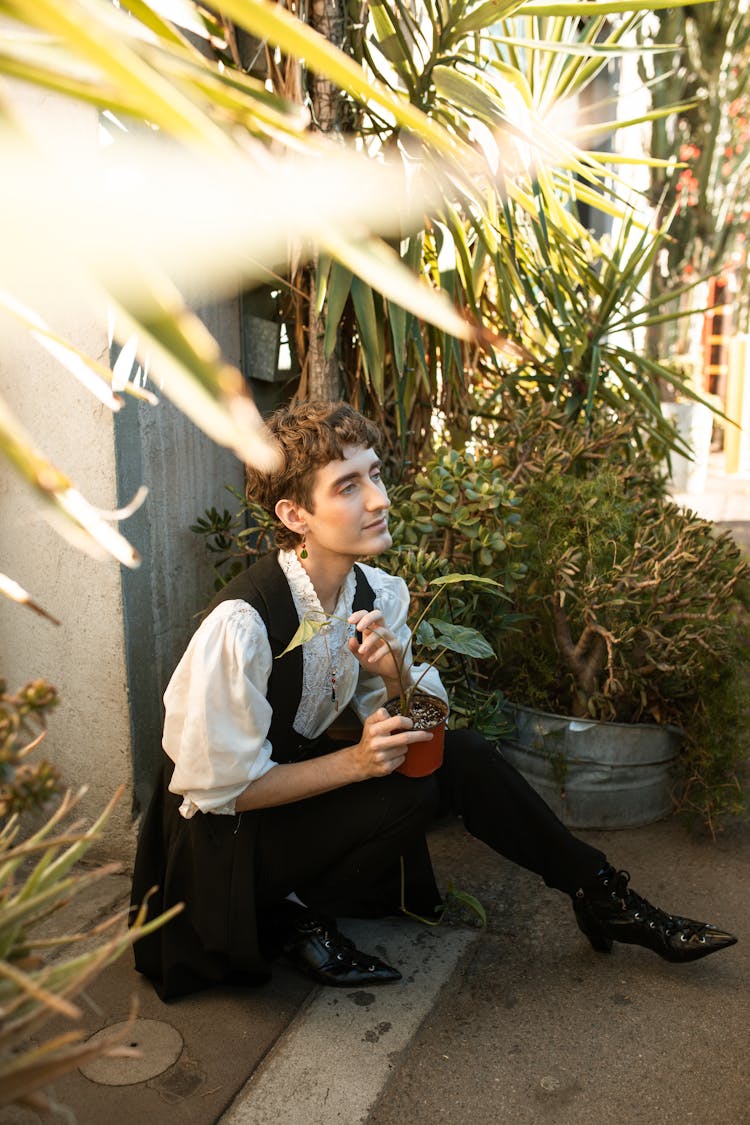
[331,670]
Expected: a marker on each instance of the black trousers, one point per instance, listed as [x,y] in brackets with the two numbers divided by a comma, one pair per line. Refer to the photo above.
[360,850]
[338,851]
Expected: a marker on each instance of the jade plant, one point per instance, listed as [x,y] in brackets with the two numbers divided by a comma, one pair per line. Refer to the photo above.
[632,609]
[629,604]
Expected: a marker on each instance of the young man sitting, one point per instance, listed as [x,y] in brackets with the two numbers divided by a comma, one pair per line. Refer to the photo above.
[265,828]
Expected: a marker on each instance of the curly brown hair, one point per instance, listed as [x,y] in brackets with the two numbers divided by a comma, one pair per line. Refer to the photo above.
[310,435]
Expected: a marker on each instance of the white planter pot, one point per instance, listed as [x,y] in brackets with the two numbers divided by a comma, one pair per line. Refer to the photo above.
[596,775]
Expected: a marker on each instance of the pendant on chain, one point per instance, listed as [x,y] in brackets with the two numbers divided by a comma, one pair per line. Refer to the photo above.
[331,672]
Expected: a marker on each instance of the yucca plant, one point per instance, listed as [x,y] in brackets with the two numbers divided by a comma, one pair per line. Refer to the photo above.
[438,83]
[585,319]
[509,247]
[197,131]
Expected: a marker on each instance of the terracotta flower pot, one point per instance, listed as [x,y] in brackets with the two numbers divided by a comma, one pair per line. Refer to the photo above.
[427,713]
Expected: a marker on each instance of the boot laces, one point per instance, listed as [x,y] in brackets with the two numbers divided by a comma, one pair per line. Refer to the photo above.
[641,908]
[653,916]
[343,948]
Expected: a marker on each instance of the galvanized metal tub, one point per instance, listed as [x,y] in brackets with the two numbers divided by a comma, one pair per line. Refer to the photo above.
[592,774]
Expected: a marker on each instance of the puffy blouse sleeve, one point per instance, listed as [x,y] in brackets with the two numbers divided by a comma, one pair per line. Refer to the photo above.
[392,599]
[217,715]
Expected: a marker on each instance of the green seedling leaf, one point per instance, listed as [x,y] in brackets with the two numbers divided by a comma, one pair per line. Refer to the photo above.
[308,628]
[468,900]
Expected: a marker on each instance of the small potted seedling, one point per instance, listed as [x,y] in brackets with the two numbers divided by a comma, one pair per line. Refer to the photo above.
[428,634]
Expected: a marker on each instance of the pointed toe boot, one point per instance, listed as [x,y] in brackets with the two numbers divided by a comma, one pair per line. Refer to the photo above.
[611,911]
[316,947]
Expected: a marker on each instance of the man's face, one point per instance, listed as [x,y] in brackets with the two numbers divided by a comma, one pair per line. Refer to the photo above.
[349,513]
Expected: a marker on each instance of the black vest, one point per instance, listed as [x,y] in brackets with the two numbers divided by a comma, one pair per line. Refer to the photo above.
[265,588]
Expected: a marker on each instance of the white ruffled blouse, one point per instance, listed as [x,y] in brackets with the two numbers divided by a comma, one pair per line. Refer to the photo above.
[217,715]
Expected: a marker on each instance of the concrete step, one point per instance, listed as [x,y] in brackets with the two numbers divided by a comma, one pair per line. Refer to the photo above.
[335,1058]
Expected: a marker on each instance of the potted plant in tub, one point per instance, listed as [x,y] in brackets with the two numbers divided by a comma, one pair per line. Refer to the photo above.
[633,626]
[428,634]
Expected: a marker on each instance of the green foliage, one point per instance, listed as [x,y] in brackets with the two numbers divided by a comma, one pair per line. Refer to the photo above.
[457,904]
[587,309]
[456,518]
[500,279]
[504,242]
[558,305]
[530,436]
[632,609]
[633,599]
[459,507]
[717,745]
[459,514]
[432,633]
[429,634]
[234,537]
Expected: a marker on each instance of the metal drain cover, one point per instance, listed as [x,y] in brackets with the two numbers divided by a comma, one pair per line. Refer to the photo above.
[160,1046]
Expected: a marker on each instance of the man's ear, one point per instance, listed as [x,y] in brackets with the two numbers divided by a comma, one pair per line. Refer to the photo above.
[292,516]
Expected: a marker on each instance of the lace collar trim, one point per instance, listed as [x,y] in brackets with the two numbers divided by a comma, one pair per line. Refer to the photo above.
[303,590]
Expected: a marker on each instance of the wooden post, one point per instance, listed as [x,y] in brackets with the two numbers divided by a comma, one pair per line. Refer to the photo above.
[737,437]
[716,336]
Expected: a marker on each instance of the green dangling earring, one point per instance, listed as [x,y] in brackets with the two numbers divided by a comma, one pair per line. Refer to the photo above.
[303,552]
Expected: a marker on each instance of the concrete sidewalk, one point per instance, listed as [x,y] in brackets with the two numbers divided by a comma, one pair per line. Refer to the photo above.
[536,1027]
[521,1022]
[532,1025]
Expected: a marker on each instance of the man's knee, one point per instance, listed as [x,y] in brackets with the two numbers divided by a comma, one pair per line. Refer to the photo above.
[416,798]
[468,753]
[474,773]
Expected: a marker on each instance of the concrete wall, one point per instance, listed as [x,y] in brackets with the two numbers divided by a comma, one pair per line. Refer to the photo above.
[89,735]
[120,638]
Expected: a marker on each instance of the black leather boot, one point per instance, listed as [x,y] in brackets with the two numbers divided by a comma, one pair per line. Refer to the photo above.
[315,945]
[610,911]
